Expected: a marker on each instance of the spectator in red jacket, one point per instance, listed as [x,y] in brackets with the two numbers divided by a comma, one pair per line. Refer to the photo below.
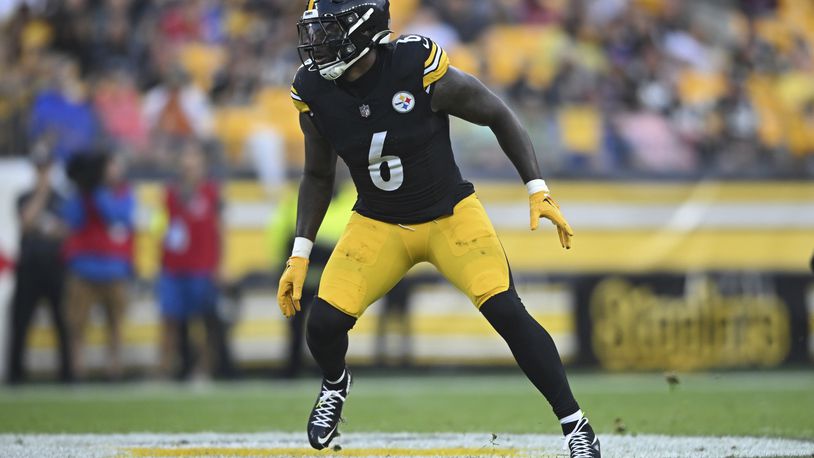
[188,285]
[99,250]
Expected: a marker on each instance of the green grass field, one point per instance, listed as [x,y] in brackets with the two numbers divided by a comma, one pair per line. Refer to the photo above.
[776,404]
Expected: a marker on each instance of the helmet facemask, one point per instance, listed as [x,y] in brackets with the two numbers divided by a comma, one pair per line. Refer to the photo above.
[332,44]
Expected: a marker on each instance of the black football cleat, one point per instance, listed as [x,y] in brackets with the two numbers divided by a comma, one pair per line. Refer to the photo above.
[323,424]
[582,442]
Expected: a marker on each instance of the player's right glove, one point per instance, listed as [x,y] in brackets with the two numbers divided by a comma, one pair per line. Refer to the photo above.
[542,205]
[289,293]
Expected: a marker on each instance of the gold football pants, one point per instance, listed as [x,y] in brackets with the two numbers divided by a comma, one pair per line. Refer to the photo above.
[372,256]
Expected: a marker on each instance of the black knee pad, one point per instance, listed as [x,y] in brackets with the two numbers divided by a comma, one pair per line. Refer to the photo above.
[326,322]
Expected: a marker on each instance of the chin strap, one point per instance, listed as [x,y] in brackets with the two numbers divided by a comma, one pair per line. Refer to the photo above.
[336,70]
[382,37]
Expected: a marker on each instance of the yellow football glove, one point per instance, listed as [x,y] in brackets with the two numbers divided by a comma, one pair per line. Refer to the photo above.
[541,205]
[289,292]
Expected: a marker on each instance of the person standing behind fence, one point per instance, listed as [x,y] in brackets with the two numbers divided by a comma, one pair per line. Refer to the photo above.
[190,264]
[99,251]
[40,274]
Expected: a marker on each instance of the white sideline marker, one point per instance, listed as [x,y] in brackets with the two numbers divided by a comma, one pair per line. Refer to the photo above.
[389,444]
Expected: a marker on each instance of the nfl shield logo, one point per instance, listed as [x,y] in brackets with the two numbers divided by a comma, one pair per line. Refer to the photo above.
[364,110]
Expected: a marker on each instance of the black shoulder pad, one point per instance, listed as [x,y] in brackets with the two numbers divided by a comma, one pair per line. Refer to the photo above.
[416,53]
[301,89]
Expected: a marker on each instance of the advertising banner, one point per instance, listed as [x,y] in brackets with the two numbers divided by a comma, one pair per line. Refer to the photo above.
[692,322]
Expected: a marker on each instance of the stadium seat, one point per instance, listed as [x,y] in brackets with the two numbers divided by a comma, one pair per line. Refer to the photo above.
[799,134]
[202,61]
[799,16]
[271,109]
[233,125]
[795,89]
[580,128]
[776,33]
[762,94]
[402,12]
[238,23]
[465,58]
[700,88]
[273,105]
[514,50]
[36,36]
[654,7]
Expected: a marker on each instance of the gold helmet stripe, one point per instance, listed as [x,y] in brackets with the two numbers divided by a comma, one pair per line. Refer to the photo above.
[311,4]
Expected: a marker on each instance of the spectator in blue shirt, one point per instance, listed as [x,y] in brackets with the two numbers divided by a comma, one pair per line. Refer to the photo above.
[99,250]
[63,116]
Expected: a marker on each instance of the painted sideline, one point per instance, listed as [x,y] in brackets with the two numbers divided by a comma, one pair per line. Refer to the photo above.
[389,444]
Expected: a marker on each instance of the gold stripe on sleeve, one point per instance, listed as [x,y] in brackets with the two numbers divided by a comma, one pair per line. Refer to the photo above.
[300,104]
[438,73]
[430,59]
[302,107]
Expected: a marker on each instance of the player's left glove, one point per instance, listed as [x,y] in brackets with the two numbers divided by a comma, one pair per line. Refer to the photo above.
[289,292]
[541,205]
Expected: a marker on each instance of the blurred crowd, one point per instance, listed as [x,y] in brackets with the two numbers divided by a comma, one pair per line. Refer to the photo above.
[101,92]
[607,87]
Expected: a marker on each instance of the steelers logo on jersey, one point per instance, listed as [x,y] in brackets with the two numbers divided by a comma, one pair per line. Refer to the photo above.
[403,102]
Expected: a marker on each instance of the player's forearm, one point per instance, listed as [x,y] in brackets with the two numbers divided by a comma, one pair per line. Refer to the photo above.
[516,144]
[317,183]
[312,204]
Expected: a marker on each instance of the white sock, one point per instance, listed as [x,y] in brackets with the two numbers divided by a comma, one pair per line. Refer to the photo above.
[341,377]
[576,416]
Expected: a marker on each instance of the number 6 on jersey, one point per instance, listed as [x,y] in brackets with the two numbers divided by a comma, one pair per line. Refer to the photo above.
[376,159]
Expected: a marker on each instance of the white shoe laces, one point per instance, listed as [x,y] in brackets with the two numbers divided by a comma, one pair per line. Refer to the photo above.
[579,442]
[326,406]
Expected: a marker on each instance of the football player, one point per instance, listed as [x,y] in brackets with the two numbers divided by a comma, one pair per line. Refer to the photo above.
[384,108]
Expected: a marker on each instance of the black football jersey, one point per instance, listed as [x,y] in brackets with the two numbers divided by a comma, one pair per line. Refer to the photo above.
[397,149]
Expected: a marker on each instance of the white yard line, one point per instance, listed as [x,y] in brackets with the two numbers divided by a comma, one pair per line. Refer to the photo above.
[388,444]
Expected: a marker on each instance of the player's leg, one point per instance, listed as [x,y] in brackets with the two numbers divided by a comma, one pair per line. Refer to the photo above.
[80,297]
[55,292]
[23,304]
[296,346]
[296,336]
[368,260]
[115,301]
[327,337]
[466,250]
[171,307]
[205,293]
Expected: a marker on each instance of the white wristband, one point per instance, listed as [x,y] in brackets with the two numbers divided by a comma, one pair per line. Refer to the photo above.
[302,248]
[535,186]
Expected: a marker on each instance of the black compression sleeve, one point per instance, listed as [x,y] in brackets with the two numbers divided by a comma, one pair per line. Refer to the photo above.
[533,348]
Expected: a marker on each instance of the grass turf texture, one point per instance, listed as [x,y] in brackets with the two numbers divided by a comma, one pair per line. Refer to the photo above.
[757,404]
